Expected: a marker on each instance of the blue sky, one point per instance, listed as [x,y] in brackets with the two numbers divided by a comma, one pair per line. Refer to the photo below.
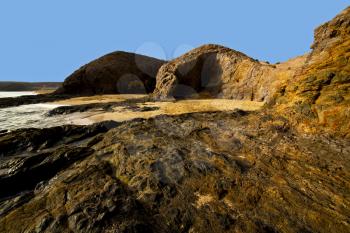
[43,40]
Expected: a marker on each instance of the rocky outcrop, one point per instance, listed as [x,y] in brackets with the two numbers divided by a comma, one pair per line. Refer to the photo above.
[30,157]
[218,72]
[333,32]
[200,172]
[320,92]
[118,72]
[214,71]
[312,89]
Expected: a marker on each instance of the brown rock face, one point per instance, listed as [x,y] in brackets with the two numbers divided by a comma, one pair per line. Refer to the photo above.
[118,72]
[332,32]
[215,71]
[320,92]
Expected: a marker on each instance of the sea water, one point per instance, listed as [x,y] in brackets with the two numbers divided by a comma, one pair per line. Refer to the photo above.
[33,115]
[4,94]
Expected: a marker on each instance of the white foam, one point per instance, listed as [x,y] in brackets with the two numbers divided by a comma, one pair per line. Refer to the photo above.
[5,94]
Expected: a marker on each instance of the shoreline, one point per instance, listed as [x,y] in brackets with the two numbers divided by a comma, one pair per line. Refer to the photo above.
[119,108]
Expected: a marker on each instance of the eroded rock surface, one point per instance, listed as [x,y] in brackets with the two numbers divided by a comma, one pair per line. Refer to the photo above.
[320,92]
[219,72]
[214,71]
[200,172]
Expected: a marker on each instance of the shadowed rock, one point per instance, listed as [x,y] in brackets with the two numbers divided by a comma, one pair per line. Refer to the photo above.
[118,72]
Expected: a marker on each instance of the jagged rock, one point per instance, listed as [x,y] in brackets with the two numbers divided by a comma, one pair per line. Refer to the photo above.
[332,32]
[320,92]
[114,73]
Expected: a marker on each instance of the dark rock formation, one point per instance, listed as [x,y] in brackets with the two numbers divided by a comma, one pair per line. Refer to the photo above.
[114,73]
[30,157]
[201,172]
[38,139]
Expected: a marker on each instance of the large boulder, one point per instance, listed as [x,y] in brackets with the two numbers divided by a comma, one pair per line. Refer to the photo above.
[114,73]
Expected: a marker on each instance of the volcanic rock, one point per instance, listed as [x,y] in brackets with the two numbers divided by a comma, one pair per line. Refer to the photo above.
[118,72]
[200,172]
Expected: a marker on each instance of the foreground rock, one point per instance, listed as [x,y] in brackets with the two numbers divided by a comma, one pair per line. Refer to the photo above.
[33,155]
[118,72]
[202,172]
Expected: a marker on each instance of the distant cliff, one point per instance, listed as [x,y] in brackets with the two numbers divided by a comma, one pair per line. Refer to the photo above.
[26,86]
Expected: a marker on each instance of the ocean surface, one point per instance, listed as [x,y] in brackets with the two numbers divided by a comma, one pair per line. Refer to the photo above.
[33,115]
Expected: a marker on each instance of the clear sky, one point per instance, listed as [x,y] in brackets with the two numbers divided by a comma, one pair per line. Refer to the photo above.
[42,40]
